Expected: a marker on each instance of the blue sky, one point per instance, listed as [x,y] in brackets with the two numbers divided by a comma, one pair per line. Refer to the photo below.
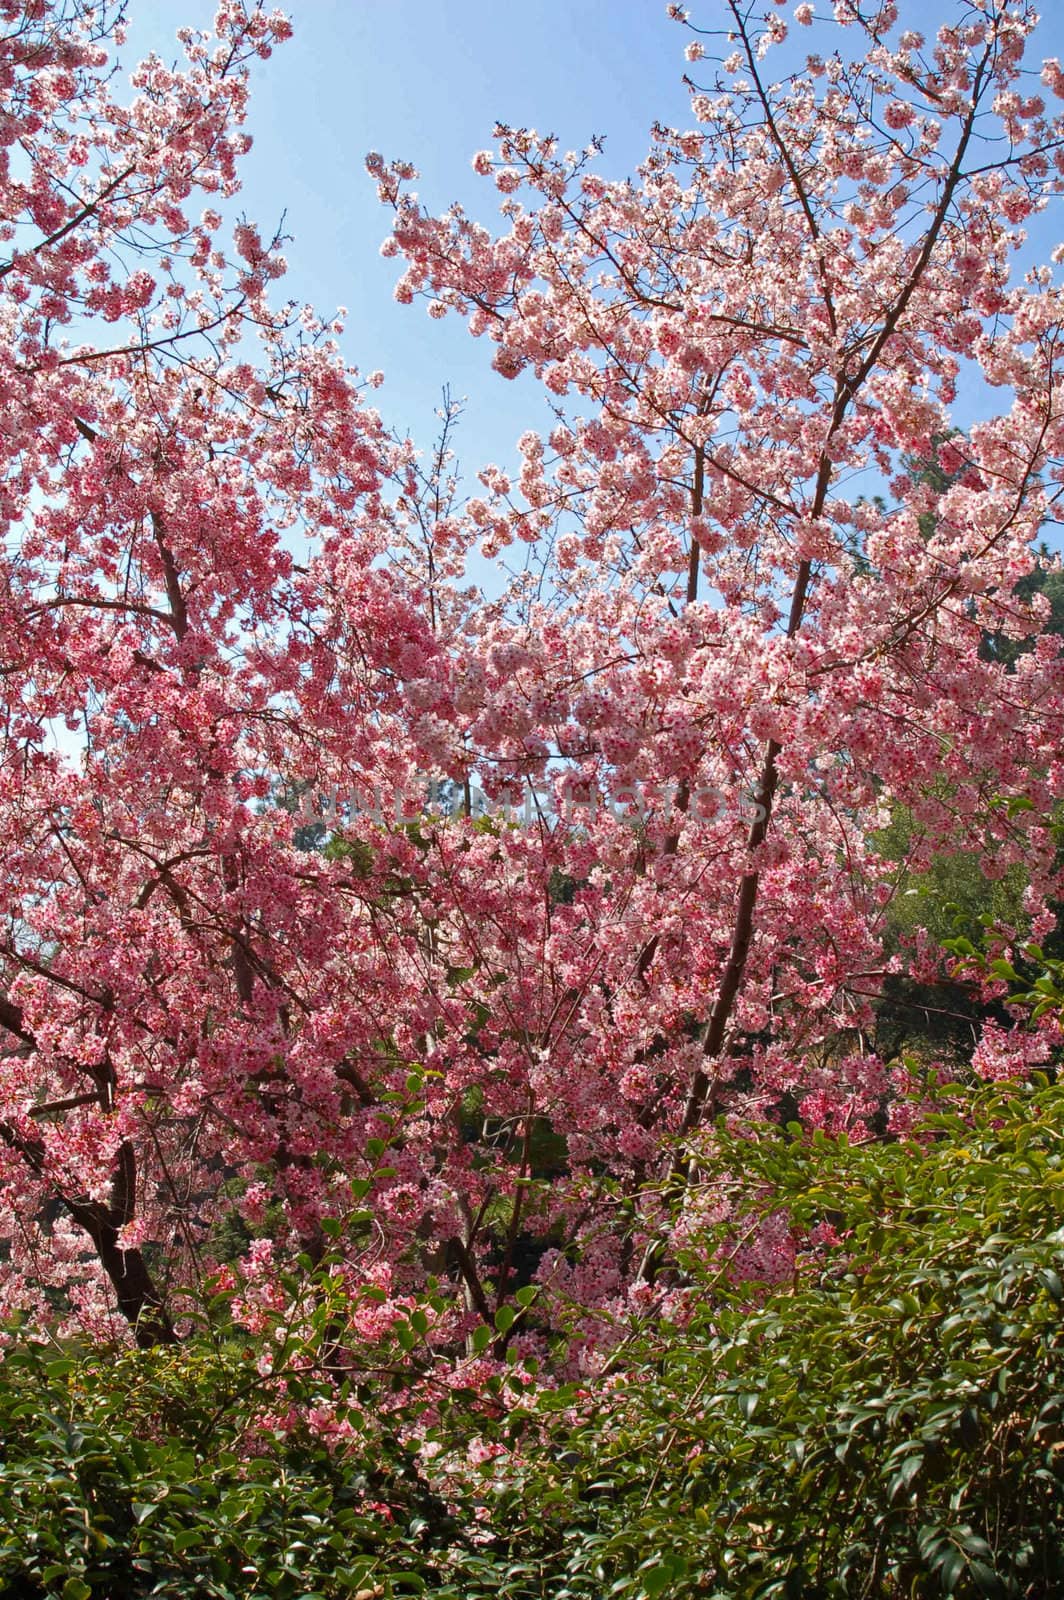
[426,81]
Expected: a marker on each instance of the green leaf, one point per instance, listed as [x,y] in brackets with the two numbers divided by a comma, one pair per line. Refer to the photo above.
[950,1570]
[1052,1282]
[905,1473]
[76,1589]
[505,1318]
[987,1580]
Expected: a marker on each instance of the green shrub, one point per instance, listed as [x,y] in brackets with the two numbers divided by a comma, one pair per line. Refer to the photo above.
[155,1473]
[888,1424]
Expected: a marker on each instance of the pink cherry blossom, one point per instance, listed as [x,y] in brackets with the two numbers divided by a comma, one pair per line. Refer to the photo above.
[738,630]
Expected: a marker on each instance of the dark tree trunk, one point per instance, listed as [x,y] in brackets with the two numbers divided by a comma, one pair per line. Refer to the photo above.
[139,1301]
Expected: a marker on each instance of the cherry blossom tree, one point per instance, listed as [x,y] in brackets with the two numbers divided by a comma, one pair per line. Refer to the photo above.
[741,633]
[735,596]
[173,442]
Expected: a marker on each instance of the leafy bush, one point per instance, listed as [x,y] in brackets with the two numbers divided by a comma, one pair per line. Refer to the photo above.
[888,1424]
[158,1473]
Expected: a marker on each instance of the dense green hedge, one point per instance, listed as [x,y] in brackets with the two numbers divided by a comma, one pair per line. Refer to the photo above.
[888,1423]
[137,1476]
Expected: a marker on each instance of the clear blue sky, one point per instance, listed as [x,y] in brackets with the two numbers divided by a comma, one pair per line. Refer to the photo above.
[425,80]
